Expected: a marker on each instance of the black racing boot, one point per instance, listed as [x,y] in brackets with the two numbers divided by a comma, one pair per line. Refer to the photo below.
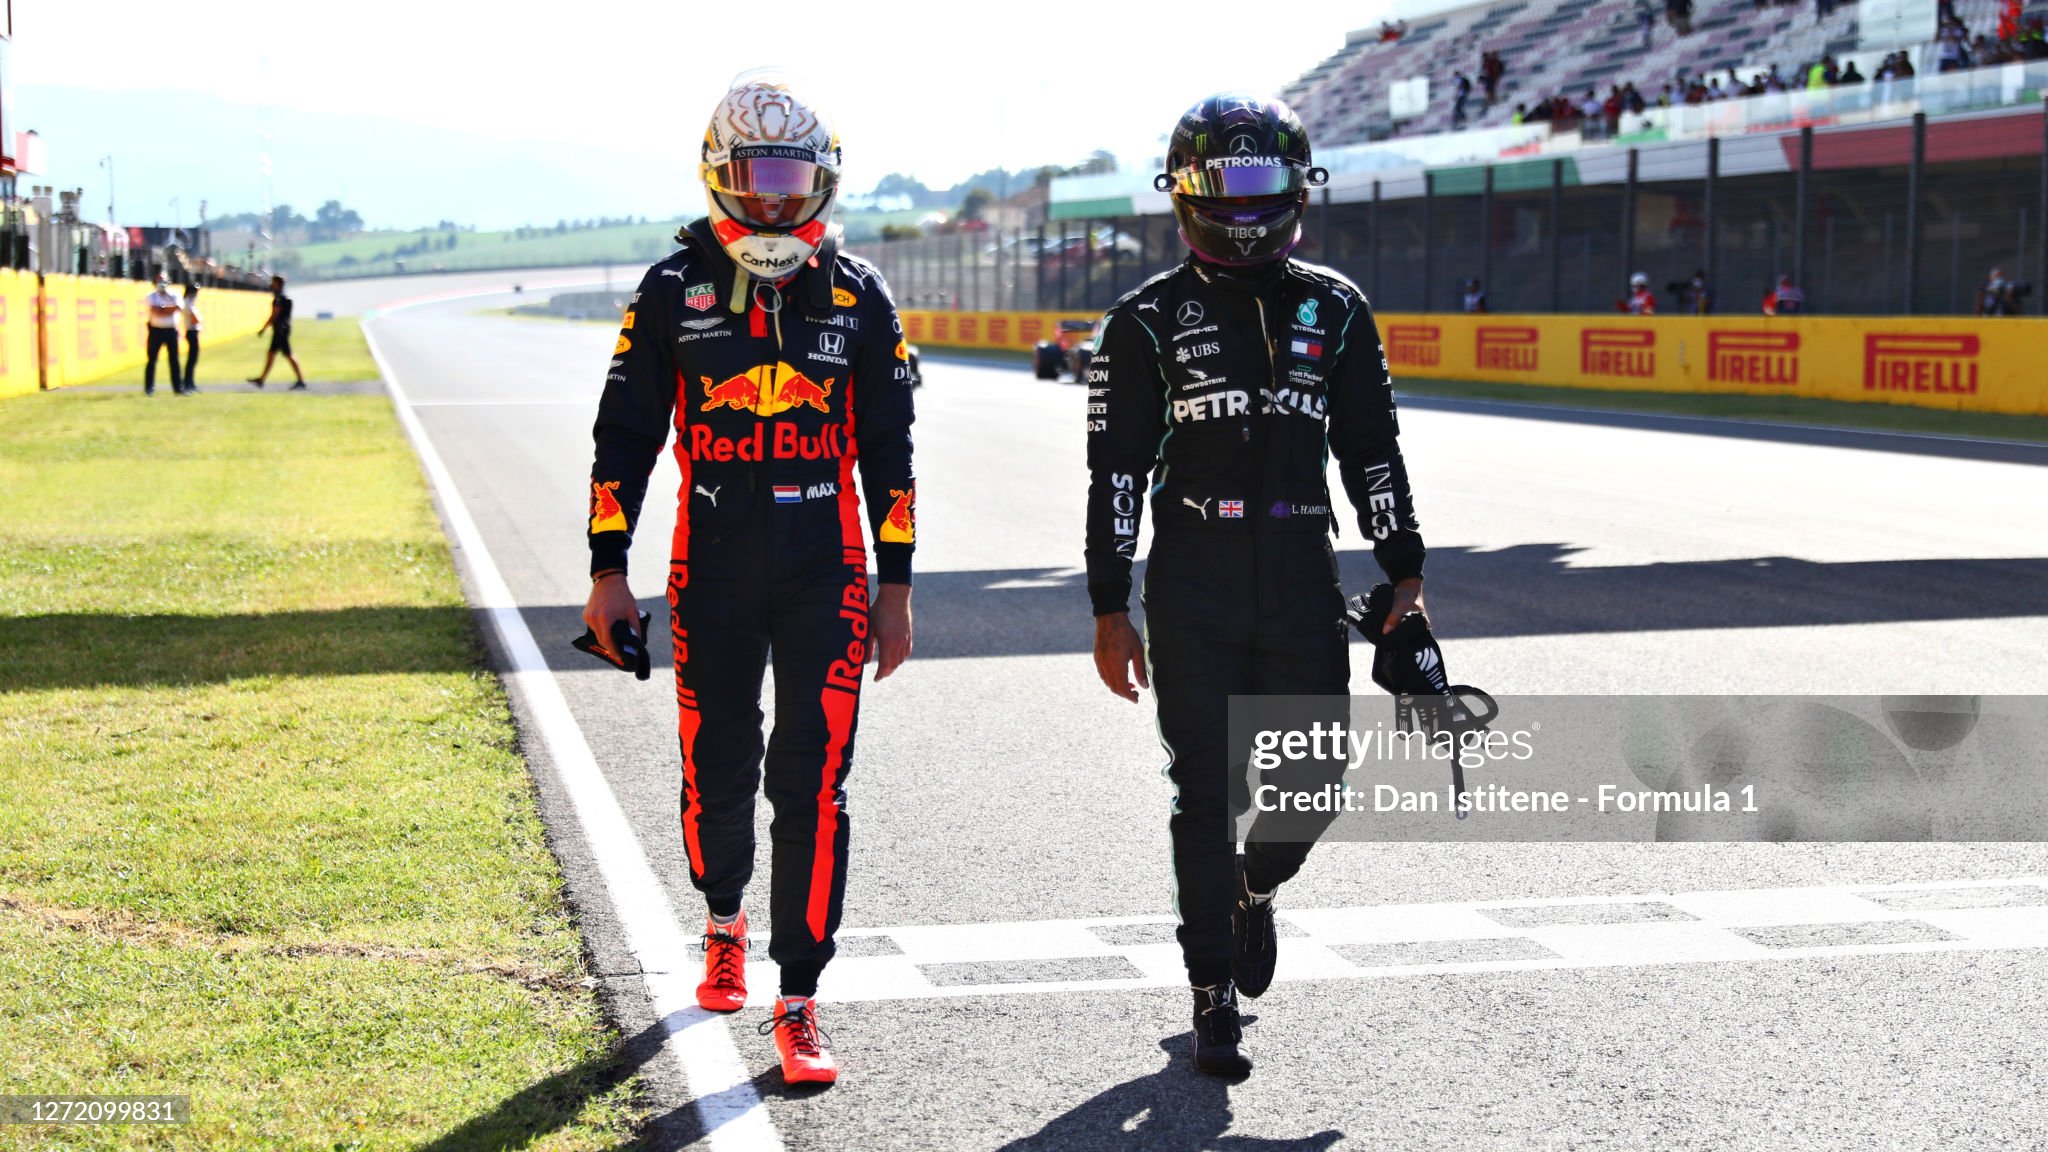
[1258,944]
[1219,1034]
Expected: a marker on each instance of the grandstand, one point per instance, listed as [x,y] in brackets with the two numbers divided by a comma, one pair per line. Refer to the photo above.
[1554,47]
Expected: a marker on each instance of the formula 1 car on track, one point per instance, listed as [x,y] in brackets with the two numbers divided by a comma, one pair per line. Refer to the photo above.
[1070,353]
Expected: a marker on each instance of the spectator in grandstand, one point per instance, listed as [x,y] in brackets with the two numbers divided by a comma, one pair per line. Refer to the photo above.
[190,307]
[1392,32]
[1461,84]
[1610,110]
[1678,13]
[1640,301]
[1475,297]
[1632,100]
[1998,296]
[1951,49]
[1591,106]
[1772,81]
[1646,19]
[1491,69]
[2034,39]
[1784,300]
[163,337]
[1849,75]
[1520,114]
[1695,298]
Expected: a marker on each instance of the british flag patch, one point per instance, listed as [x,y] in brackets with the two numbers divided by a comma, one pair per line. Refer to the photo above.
[1230,509]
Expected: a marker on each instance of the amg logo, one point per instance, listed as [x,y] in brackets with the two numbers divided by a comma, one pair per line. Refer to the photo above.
[1505,349]
[1909,363]
[1628,352]
[1753,357]
[1415,345]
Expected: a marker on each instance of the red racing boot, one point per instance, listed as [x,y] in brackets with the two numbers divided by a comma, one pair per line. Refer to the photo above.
[805,1059]
[725,966]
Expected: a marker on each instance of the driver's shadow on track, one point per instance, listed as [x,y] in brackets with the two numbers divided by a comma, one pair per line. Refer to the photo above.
[1175,1109]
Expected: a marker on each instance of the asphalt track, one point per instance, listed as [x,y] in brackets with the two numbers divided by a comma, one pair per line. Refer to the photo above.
[1008,979]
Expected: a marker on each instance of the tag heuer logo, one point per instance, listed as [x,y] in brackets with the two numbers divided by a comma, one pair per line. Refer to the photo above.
[698,296]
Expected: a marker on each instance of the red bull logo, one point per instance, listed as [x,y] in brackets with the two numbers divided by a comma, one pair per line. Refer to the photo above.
[766,390]
[1626,352]
[1915,363]
[784,443]
[1414,345]
[900,526]
[1753,357]
[1505,349]
[605,513]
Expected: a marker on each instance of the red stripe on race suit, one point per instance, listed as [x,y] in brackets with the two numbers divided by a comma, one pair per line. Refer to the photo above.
[840,704]
[687,716]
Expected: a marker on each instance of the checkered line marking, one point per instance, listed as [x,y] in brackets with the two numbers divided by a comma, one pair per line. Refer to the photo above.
[1045,956]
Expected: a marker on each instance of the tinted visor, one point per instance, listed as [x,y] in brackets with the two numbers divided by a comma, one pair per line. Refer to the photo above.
[776,192]
[1240,176]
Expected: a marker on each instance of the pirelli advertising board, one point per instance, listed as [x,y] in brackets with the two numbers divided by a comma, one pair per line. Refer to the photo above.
[1995,365]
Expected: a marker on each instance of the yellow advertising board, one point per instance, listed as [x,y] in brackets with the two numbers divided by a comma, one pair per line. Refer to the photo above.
[93,327]
[1015,331]
[1992,365]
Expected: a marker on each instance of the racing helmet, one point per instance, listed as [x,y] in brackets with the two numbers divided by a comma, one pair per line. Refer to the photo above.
[1237,169]
[771,171]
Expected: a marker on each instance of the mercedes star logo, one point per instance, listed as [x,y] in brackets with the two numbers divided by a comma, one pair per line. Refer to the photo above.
[1243,146]
[1190,314]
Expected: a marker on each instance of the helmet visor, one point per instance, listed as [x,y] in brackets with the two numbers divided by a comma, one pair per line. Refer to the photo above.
[777,192]
[1234,176]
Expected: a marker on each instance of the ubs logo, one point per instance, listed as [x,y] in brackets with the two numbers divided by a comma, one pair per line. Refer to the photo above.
[1629,352]
[1899,362]
[1415,345]
[1753,357]
[1506,349]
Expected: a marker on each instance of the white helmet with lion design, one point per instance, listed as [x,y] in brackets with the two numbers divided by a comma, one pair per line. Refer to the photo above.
[771,171]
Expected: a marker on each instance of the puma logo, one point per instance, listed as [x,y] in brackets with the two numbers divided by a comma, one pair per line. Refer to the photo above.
[1203,507]
[672,272]
[711,494]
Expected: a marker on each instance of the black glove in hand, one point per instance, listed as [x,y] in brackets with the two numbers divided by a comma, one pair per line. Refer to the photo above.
[625,641]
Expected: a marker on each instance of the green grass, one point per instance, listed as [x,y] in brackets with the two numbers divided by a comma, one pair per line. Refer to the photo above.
[265,835]
[327,350]
[1780,409]
[375,253]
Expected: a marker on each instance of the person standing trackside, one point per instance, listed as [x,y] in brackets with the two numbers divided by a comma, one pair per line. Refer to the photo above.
[190,307]
[1221,388]
[163,337]
[780,363]
[279,325]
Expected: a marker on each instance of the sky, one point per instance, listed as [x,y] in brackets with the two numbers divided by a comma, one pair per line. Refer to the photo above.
[414,111]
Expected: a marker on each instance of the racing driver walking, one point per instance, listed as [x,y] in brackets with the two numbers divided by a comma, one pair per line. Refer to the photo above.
[1220,389]
[780,363]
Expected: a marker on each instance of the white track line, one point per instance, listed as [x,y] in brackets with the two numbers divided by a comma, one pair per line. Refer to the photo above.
[699,1041]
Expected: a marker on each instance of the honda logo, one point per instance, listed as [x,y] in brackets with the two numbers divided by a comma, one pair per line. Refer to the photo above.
[831,343]
[1190,314]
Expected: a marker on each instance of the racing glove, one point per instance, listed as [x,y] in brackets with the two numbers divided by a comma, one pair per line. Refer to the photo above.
[625,642]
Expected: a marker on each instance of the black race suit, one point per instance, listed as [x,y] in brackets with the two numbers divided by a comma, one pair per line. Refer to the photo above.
[1222,396]
[772,411]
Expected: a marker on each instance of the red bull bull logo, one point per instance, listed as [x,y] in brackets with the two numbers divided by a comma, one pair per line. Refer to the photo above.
[1898,362]
[605,513]
[1626,352]
[1505,349]
[1753,357]
[1414,345]
[766,390]
[900,526]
